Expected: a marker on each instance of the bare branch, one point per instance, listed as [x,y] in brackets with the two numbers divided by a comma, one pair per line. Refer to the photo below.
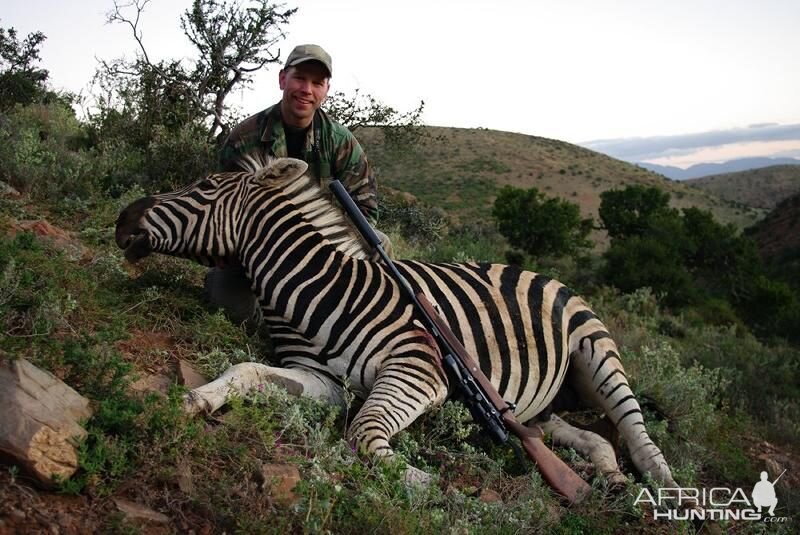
[116,16]
[233,39]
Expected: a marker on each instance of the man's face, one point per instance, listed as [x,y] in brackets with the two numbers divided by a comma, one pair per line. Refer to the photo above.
[305,87]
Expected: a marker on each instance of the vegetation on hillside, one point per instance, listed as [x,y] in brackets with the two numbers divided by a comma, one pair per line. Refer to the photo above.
[714,392]
[461,170]
[539,225]
[689,259]
[761,188]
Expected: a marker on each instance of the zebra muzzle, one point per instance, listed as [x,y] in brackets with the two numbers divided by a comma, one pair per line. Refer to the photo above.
[137,247]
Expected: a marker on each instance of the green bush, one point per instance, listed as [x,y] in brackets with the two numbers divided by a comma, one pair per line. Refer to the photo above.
[175,158]
[688,258]
[539,225]
[43,151]
[120,166]
[764,380]
[473,242]
[417,222]
[33,300]
[639,262]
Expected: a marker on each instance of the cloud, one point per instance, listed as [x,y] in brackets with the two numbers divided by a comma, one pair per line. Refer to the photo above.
[649,148]
[730,151]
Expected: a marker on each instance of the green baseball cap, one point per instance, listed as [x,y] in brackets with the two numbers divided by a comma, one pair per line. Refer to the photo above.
[303,53]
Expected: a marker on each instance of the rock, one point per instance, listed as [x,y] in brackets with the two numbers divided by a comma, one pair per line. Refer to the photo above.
[156,383]
[280,480]
[490,496]
[8,191]
[189,377]
[140,512]
[59,239]
[184,477]
[414,477]
[39,416]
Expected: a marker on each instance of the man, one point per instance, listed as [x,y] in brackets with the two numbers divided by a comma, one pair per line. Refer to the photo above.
[295,127]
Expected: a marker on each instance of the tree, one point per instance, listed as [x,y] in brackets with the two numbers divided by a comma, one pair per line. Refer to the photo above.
[688,258]
[539,225]
[628,212]
[722,261]
[644,261]
[356,111]
[20,81]
[232,39]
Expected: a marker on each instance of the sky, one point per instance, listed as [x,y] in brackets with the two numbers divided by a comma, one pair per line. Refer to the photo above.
[679,81]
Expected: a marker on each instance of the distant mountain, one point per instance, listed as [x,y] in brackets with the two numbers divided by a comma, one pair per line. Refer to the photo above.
[757,188]
[706,169]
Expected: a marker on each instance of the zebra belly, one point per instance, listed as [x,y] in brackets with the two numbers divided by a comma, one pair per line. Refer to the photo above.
[347,370]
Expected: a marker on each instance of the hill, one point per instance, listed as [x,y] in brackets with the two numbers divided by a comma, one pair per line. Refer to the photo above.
[707,169]
[759,188]
[460,171]
[123,336]
[778,234]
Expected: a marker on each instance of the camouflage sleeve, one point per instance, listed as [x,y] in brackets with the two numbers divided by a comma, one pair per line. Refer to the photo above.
[228,157]
[353,170]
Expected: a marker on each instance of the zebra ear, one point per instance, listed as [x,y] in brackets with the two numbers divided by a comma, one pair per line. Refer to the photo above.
[281,170]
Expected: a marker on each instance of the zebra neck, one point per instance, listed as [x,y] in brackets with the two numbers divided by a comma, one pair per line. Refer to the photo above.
[288,262]
[326,216]
[298,248]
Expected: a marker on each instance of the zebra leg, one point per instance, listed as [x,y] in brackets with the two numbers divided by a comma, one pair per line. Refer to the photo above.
[404,389]
[247,376]
[230,290]
[598,376]
[590,445]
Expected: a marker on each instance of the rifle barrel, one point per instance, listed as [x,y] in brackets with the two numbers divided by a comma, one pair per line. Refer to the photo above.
[777,478]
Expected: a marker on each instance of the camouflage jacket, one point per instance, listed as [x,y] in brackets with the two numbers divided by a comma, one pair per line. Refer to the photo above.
[341,156]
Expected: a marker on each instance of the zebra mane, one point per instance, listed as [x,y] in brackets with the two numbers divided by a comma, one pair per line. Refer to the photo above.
[317,207]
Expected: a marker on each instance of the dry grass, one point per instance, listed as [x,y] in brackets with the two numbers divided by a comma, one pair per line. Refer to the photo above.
[460,170]
[760,188]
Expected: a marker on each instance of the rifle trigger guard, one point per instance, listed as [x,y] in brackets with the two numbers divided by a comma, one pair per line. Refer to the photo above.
[509,407]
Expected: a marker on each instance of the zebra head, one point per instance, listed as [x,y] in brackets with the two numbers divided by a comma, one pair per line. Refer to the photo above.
[202,220]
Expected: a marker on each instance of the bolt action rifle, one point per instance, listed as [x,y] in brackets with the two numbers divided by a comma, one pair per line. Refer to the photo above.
[485,404]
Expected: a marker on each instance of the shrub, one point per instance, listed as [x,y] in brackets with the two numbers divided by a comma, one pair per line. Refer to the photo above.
[539,225]
[175,158]
[639,262]
[418,223]
[43,152]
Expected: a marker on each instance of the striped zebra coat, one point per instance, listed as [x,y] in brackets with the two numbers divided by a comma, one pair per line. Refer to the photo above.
[336,316]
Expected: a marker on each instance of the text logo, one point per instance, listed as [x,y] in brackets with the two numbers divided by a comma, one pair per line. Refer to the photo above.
[718,503]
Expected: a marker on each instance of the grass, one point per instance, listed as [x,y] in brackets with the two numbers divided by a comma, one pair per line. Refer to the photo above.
[758,188]
[460,170]
[101,324]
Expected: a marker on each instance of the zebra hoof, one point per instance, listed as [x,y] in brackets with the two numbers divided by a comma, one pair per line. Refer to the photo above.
[194,404]
[616,480]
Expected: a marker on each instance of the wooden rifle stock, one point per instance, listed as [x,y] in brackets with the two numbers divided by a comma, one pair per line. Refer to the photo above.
[554,471]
